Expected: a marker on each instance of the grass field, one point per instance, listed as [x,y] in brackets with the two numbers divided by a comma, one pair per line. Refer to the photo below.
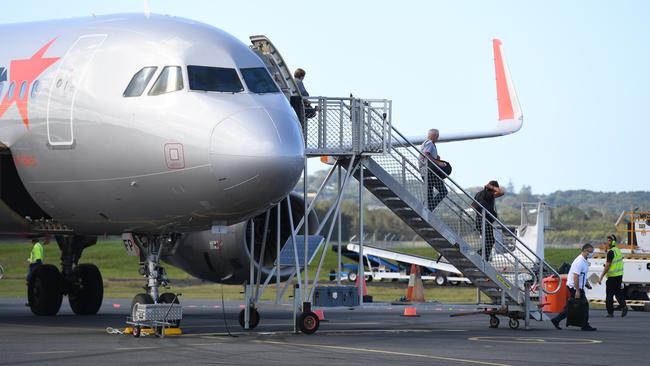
[121,278]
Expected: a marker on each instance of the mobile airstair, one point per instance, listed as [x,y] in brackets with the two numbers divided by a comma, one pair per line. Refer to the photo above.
[357,135]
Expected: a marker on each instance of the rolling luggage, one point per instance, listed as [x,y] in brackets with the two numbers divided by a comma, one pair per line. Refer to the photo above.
[577,315]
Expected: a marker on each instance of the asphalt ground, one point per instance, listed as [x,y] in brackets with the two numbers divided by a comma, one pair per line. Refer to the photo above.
[373,335]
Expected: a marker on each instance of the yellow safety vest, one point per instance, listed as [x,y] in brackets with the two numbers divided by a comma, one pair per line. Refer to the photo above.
[616,267]
[37,253]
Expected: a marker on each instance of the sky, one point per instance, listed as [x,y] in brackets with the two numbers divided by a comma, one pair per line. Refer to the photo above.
[581,70]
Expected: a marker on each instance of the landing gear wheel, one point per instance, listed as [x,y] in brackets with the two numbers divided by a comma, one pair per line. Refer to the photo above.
[168,298]
[494,321]
[254,318]
[137,331]
[369,279]
[88,298]
[308,322]
[352,276]
[140,299]
[45,290]
[513,323]
[441,280]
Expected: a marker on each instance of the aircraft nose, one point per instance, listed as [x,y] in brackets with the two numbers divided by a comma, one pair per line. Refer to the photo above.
[257,157]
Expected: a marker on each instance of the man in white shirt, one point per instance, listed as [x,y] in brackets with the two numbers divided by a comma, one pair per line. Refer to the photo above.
[432,180]
[576,282]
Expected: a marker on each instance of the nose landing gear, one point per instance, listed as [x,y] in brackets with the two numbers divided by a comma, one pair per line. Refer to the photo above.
[150,249]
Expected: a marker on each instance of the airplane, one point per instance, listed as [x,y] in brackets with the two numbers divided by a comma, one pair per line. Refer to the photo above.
[161,129]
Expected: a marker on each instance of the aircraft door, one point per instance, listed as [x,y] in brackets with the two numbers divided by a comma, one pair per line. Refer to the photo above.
[66,85]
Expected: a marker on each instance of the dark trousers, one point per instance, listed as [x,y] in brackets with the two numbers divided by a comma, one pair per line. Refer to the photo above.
[565,312]
[489,235]
[32,266]
[434,182]
[613,288]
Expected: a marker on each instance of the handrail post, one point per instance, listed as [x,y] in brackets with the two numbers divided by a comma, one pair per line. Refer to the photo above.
[483,254]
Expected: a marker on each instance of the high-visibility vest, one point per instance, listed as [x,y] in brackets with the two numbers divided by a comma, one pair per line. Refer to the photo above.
[616,267]
[37,253]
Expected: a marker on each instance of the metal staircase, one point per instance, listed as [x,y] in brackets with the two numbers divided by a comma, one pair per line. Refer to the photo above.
[348,128]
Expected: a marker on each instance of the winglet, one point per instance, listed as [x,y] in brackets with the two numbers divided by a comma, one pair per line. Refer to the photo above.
[508,103]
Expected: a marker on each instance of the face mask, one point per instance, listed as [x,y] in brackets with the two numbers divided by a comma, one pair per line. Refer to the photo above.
[590,255]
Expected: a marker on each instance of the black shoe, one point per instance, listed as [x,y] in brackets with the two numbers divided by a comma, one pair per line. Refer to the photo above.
[556,323]
[588,328]
[624,312]
[609,316]
[27,304]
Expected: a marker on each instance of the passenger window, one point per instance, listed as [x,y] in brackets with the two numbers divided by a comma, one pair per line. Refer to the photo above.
[10,91]
[258,80]
[139,82]
[169,80]
[217,79]
[23,89]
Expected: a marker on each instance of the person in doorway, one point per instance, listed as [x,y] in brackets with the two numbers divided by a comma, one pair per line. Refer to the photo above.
[576,282]
[299,75]
[431,168]
[35,257]
[486,198]
[614,272]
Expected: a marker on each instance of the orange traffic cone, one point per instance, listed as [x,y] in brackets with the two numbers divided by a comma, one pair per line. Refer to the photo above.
[410,312]
[363,284]
[415,291]
[364,289]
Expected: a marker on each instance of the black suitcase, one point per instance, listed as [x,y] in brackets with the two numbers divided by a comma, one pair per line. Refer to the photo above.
[577,315]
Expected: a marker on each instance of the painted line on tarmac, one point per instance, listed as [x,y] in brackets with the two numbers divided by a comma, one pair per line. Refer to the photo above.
[385,352]
[326,331]
[134,348]
[328,323]
[535,340]
[41,326]
[48,352]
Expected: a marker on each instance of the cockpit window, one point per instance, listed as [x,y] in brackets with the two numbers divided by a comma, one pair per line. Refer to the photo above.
[139,82]
[217,79]
[258,80]
[169,80]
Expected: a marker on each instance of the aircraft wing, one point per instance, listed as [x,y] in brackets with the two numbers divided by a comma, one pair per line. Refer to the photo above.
[510,116]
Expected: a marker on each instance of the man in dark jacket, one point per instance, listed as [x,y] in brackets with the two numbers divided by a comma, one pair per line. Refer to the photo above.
[486,199]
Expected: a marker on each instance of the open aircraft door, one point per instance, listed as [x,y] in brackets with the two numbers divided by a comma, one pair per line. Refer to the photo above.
[63,93]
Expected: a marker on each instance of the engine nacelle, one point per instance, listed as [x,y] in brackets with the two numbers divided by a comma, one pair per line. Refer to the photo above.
[225,258]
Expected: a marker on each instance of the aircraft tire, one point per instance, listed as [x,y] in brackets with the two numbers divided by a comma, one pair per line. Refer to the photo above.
[168,298]
[45,290]
[88,299]
[140,299]
[254,318]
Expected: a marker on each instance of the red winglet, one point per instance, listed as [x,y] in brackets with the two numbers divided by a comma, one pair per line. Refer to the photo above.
[504,100]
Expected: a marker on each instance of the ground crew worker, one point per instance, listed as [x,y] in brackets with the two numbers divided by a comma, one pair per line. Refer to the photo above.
[576,282]
[35,257]
[614,271]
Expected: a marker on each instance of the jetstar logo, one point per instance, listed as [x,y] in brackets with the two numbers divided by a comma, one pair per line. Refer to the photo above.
[23,75]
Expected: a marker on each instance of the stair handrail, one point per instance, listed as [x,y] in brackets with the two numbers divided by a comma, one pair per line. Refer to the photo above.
[527,252]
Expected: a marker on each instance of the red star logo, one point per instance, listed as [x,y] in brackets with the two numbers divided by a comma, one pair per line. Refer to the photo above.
[25,71]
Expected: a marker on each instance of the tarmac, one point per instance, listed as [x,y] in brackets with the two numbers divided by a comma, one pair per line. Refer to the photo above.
[373,335]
